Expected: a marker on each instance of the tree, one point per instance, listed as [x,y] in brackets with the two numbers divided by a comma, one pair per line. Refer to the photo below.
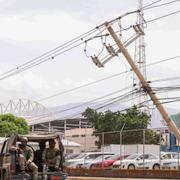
[133,122]
[10,124]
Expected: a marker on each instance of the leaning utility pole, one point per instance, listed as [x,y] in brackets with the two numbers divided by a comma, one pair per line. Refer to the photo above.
[146,87]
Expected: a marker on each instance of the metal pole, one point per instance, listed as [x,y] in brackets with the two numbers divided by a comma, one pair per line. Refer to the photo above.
[143,145]
[160,140]
[49,127]
[121,139]
[85,145]
[103,144]
[144,83]
[121,142]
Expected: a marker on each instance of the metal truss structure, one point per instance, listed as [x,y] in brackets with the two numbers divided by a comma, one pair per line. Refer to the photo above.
[39,117]
[32,111]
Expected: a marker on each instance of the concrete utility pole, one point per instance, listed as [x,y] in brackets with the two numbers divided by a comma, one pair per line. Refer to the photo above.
[144,83]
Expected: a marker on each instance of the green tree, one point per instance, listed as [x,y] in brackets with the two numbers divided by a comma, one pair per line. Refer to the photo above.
[10,124]
[132,122]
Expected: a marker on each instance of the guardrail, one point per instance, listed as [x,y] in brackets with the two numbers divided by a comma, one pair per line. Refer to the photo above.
[121,173]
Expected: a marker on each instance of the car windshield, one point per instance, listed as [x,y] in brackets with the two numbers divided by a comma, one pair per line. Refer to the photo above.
[103,157]
[166,156]
[80,156]
[114,157]
[133,156]
[176,156]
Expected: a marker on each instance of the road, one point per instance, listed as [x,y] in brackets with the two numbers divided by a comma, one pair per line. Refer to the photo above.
[103,178]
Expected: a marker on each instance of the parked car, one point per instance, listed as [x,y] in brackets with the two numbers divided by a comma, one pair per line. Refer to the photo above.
[146,161]
[94,161]
[9,167]
[138,161]
[108,162]
[171,163]
[71,156]
[168,155]
[84,158]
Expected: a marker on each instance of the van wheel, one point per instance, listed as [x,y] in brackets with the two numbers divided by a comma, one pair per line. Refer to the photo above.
[156,167]
[92,166]
[131,166]
[4,174]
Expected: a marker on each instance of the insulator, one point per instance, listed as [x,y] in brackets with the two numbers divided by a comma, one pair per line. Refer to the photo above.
[111,50]
[96,61]
[138,29]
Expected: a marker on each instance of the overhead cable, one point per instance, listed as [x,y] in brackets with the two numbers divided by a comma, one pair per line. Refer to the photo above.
[106,78]
[159,5]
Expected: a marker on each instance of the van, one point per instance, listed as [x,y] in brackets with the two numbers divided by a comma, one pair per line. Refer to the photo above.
[9,167]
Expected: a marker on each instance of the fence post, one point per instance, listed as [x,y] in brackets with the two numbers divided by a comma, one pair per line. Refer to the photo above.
[103,141]
[102,145]
[178,167]
[160,140]
[143,145]
[120,143]
[85,138]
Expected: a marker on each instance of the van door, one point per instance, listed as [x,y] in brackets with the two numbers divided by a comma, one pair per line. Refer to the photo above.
[5,160]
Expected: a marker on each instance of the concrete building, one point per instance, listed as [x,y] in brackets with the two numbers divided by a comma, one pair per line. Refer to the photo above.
[71,147]
[84,137]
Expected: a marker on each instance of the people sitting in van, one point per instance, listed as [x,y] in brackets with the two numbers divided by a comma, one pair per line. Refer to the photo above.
[25,158]
[51,156]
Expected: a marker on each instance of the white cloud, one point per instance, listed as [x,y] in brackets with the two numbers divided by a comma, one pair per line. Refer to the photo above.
[34,27]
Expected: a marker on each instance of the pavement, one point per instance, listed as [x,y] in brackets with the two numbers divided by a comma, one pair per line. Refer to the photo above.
[103,178]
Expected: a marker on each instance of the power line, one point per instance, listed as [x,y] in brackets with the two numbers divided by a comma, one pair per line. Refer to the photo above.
[50,55]
[84,85]
[160,17]
[106,78]
[60,49]
[118,99]
[160,5]
[151,4]
[91,101]
[50,52]
[165,79]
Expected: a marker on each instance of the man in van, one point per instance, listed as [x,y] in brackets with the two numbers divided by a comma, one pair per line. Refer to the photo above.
[51,156]
[26,157]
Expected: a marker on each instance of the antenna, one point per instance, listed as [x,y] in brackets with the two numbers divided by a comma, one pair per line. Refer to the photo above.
[139,54]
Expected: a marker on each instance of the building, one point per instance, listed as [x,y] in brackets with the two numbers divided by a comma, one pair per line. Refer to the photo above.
[84,137]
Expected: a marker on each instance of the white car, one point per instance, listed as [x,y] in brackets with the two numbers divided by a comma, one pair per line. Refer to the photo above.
[138,161]
[84,158]
[98,159]
[171,163]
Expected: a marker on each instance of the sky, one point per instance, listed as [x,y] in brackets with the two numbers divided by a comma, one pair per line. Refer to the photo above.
[31,28]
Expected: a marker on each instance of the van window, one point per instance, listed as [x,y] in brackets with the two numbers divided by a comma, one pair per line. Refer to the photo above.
[4,148]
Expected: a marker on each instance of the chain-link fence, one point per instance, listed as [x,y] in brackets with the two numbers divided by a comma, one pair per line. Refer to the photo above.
[154,146]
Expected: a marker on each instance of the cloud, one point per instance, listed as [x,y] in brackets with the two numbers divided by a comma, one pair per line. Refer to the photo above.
[41,27]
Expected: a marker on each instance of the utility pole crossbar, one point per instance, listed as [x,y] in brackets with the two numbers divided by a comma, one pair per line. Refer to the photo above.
[144,83]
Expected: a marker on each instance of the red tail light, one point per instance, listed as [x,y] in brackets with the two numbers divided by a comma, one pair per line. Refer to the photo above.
[54,178]
[12,169]
[13,164]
